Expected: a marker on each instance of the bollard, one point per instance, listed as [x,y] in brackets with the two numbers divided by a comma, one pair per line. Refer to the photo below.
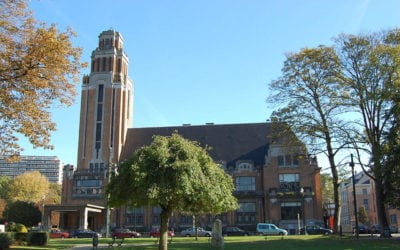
[95,241]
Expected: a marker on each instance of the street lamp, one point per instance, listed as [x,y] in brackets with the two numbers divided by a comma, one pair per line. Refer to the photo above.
[43,198]
[354,194]
[108,208]
[304,209]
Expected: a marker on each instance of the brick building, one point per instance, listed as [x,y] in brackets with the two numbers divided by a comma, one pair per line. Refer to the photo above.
[275,182]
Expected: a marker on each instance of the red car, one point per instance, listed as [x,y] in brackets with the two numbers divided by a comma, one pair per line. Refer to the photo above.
[122,233]
[155,232]
[55,233]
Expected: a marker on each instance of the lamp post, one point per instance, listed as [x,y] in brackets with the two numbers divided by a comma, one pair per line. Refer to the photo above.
[108,209]
[304,210]
[43,198]
[354,195]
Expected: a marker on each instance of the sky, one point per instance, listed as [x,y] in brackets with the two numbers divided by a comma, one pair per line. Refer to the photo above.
[201,61]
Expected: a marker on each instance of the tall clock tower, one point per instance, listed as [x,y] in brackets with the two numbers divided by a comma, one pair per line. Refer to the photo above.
[106,105]
[106,114]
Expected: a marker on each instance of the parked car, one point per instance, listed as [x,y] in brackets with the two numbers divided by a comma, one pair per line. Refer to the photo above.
[234,231]
[56,233]
[84,233]
[267,228]
[155,232]
[191,232]
[362,229]
[122,233]
[393,229]
[314,229]
[376,229]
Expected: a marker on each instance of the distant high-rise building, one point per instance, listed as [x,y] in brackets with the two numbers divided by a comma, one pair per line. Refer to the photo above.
[49,166]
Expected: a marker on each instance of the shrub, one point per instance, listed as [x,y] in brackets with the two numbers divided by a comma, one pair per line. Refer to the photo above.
[17,227]
[37,238]
[20,238]
[5,241]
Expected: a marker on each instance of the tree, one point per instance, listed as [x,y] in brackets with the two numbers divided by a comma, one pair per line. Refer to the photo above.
[175,174]
[326,188]
[29,187]
[5,182]
[360,76]
[309,92]
[392,157]
[38,69]
[370,70]
[362,215]
[54,194]
[22,212]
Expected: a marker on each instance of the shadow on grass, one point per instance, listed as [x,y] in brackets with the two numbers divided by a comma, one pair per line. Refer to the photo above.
[239,243]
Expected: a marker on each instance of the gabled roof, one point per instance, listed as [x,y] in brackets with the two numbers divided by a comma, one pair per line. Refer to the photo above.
[229,142]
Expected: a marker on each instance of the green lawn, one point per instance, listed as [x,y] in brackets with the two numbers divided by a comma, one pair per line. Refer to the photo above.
[239,243]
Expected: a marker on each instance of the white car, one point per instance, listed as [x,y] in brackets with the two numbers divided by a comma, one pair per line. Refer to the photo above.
[191,232]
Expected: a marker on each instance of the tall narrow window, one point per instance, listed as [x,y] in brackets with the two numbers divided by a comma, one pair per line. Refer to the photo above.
[100,95]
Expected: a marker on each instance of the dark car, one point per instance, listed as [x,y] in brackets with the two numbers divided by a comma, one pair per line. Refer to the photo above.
[122,233]
[314,229]
[375,229]
[191,232]
[362,229]
[85,233]
[234,231]
[393,229]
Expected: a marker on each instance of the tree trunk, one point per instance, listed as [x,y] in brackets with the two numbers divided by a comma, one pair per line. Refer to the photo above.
[163,244]
[380,205]
[335,180]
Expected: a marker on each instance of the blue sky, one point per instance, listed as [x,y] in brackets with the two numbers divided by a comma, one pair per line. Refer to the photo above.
[200,61]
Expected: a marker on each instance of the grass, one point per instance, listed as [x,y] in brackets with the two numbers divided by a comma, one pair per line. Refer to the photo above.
[238,243]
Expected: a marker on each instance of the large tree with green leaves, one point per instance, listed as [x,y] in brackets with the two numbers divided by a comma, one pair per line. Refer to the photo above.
[392,157]
[39,68]
[371,73]
[308,96]
[358,76]
[175,174]
[22,212]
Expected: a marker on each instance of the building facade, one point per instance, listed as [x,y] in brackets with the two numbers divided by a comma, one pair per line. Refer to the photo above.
[365,198]
[49,166]
[275,182]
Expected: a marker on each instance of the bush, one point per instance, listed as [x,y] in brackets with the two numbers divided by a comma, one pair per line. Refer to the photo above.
[20,238]
[37,238]
[5,241]
[16,227]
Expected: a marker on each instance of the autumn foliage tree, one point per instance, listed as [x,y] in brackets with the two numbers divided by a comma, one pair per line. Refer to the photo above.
[39,68]
[175,174]
[29,187]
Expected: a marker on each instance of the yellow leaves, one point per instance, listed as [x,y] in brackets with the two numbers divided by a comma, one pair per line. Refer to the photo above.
[39,67]
[29,187]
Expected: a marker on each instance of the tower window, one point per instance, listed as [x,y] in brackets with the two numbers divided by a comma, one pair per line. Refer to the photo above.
[107,43]
[100,93]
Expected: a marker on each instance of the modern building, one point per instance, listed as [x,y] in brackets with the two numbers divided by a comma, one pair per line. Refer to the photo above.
[49,166]
[276,180]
